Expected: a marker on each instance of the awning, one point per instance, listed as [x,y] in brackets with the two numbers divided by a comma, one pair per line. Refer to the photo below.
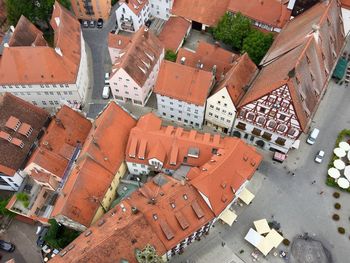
[274,238]
[228,217]
[261,226]
[253,237]
[246,196]
[340,68]
[265,246]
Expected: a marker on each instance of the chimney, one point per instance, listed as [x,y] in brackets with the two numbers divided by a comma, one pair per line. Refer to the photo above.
[145,32]
[183,60]
[59,51]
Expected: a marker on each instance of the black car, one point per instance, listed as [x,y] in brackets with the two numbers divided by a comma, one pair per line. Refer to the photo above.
[85,24]
[92,23]
[100,23]
[41,236]
[7,246]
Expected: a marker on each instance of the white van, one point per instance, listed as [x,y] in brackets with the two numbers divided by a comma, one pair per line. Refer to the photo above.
[313,136]
[106,92]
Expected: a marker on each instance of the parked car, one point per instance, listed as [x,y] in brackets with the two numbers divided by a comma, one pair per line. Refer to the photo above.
[85,24]
[319,157]
[107,79]
[106,92]
[92,23]
[7,246]
[313,136]
[41,232]
[100,23]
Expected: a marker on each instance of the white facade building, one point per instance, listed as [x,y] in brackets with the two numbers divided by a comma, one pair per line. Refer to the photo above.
[161,8]
[132,15]
[59,75]
[135,72]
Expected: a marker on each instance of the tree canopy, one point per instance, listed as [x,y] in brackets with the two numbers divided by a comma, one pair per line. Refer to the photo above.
[170,55]
[233,29]
[37,11]
[256,44]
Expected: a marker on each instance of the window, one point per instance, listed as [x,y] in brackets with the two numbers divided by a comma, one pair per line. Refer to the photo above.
[211,106]
[210,114]
[216,116]
[281,128]
[271,124]
[282,117]
[256,132]
[261,120]
[44,102]
[267,136]
[135,88]
[230,113]
[280,141]
[241,125]
[262,110]
[217,108]
[250,116]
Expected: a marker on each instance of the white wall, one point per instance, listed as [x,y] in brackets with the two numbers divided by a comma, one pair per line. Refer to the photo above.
[138,169]
[346,19]
[125,14]
[161,8]
[13,181]
[220,111]
[182,112]
[83,79]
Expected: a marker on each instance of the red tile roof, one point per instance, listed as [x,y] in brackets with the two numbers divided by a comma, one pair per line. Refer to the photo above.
[118,41]
[50,66]
[224,173]
[67,129]
[99,161]
[305,59]
[208,55]
[113,240]
[12,157]
[270,12]
[238,78]
[139,57]
[135,5]
[174,32]
[207,12]
[183,83]
[345,3]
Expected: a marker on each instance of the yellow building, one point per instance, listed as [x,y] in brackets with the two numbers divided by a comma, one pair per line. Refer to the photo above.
[91,9]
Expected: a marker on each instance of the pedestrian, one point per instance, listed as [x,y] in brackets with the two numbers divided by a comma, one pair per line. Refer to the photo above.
[320,193]
[223,244]
[293,174]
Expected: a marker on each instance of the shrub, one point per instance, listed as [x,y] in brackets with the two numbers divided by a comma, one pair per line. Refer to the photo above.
[336,195]
[3,210]
[286,242]
[330,181]
[341,230]
[25,203]
[22,196]
[59,236]
[335,217]
[170,55]
[337,206]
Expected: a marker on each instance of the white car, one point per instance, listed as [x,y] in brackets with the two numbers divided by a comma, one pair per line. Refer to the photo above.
[319,157]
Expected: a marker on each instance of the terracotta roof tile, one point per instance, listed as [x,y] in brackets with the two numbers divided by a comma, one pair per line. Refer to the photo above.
[304,60]
[12,156]
[114,241]
[66,130]
[173,32]
[135,5]
[207,12]
[238,78]
[183,83]
[118,41]
[208,55]
[99,161]
[139,57]
[345,3]
[270,12]
[50,66]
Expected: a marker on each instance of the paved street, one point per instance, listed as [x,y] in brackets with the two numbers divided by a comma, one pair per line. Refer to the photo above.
[292,201]
[24,238]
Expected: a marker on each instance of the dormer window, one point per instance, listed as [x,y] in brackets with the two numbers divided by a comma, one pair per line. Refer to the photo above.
[250,116]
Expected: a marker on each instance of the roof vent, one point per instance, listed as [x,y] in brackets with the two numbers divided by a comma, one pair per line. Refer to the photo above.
[134,210]
[59,51]
[88,233]
[101,222]
[183,60]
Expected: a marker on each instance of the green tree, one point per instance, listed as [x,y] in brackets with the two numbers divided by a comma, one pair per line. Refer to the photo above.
[170,55]
[58,236]
[256,44]
[37,11]
[233,29]
[3,210]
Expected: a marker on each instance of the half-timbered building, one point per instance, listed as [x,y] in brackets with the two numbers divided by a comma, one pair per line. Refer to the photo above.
[295,72]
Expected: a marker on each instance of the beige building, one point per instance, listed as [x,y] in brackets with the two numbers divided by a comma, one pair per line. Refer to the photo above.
[91,9]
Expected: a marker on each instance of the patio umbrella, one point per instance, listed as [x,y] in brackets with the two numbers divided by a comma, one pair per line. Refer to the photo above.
[343,183]
[339,164]
[339,152]
[347,172]
[345,146]
[334,173]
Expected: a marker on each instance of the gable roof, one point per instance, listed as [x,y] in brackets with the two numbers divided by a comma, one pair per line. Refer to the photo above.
[66,130]
[12,156]
[224,173]
[183,83]
[118,41]
[209,55]
[237,78]
[135,6]
[304,63]
[207,12]
[50,67]
[271,12]
[173,32]
[99,160]
[140,56]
